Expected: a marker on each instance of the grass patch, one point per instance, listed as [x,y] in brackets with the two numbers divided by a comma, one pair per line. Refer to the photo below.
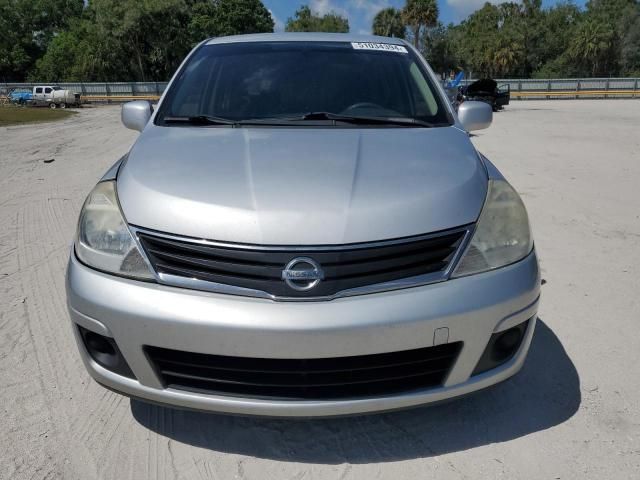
[17,115]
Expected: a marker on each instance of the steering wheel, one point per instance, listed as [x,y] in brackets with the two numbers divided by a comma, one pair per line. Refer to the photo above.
[359,105]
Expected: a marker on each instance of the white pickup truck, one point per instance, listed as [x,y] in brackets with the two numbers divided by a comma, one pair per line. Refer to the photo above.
[54,97]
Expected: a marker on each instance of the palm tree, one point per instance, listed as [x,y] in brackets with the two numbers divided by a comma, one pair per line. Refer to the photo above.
[388,23]
[592,45]
[419,13]
[505,59]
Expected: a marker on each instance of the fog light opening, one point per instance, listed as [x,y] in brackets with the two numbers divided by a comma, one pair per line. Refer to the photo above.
[501,348]
[104,351]
[507,343]
[99,344]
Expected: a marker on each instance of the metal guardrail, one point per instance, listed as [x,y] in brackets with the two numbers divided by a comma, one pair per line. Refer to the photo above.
[104,89]
[554,94]
[520,89]
[102,92]
[118,98]
[557,88]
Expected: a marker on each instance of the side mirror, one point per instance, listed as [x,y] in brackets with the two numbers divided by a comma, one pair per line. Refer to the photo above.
[475,115]
[136,114]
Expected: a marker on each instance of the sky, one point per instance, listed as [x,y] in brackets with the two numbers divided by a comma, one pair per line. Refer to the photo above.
[361,12]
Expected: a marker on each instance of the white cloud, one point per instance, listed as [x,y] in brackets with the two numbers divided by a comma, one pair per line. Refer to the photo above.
[322,7]
[464,8]
[359,12]
[278,24]
[369,7]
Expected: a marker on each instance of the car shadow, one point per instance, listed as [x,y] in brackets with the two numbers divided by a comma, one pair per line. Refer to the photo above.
[544,394]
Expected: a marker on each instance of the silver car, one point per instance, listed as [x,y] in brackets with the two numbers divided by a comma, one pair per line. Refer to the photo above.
[303,228]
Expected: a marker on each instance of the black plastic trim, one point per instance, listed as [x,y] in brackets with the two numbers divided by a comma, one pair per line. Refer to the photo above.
[304,379]
[114,361]
[493,356]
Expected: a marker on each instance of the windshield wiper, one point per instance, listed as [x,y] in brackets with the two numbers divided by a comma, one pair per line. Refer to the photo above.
[335,117]
[355,120]
[200,120]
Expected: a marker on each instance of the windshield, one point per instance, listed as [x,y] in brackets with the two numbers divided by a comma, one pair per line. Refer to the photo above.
[289,80]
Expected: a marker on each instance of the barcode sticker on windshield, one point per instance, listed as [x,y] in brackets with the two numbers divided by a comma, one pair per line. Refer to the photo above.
[386,47]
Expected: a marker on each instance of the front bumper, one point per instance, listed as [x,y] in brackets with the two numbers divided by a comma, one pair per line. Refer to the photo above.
[135,314]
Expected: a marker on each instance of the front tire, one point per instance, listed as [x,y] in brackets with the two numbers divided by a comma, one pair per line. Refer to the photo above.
[53,106]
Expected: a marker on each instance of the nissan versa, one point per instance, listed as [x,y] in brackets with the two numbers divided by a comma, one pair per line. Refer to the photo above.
[303,228]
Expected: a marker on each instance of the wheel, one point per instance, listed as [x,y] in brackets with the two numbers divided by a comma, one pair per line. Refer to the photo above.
[63,105]
[52,106]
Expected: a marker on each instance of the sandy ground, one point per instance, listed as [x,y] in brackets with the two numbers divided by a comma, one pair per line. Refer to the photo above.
[573,412]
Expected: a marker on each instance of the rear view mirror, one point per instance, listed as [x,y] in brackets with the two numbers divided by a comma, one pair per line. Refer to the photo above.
[136,114]
[475,115]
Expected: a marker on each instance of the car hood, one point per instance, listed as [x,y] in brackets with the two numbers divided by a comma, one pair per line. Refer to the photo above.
[301,186]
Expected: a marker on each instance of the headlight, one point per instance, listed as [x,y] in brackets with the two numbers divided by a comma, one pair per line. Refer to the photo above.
[502,234]
[104,242]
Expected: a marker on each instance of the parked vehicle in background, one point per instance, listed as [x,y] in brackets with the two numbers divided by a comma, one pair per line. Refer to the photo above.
[54,97]
[20,96]
[487,90]
[452,89]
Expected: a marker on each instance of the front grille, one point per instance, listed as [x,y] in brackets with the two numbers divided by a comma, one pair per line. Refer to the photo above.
[261,268]
[300,379]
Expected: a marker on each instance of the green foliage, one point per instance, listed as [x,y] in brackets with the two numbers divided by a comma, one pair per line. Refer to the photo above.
[592,47]
[486,34]
[229,17]
[129,40]
[606,39]
[418,14]
[525,40]
[440,52]
[27,27]
[389,23]
[305,20]
[630,48]
[122,40]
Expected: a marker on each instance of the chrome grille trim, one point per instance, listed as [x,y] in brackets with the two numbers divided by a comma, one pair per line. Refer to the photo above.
[226,289]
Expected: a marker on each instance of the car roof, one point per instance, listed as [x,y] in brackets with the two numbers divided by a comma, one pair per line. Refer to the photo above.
[305,37]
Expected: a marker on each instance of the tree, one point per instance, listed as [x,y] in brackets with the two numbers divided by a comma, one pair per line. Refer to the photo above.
[304,20]
[63,58]
[630,51]
[27,27]
[228,17]
[388,23]
[440,54]
[118,40]
[418,14]
[128,40]
[622,18]
[592,47]
[491,41]
[558,26]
